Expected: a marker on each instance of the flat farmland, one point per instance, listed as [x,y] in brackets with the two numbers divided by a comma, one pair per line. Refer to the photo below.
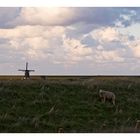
[47,104]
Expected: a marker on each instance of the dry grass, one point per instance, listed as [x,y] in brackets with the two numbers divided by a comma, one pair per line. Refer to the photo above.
[71,104]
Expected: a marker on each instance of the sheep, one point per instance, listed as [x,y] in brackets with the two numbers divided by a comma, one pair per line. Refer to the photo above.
[107,95]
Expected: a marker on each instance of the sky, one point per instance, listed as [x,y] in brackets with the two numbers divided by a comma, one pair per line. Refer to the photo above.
[70,40]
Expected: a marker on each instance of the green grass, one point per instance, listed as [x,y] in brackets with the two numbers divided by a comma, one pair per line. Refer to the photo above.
[45,106]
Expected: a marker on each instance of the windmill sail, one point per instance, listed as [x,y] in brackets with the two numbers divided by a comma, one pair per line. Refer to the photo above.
[27,72]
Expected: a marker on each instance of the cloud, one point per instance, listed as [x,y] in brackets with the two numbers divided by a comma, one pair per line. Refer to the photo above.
[53,44]
[42,42]
[75,50]
[31,31]
[74,39]
[135,47]
[106,34]
[108,56]
[8,14]
[64,16]
[34,42]
[45,16]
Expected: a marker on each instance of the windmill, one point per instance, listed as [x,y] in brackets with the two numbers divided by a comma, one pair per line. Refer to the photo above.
[27,72]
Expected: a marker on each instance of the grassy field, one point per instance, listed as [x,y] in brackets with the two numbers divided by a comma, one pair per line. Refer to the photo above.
[69,103]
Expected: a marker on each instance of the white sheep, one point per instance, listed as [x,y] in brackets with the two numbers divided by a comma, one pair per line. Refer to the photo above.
[107,95]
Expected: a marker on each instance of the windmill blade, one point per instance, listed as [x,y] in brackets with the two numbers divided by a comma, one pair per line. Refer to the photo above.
[21,70]
[26,65]
[31,70]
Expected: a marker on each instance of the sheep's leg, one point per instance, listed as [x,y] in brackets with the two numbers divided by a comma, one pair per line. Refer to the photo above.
[104,99]
[113,101]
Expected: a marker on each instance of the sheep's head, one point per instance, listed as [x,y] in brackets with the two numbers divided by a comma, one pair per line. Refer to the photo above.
[100,93]
[100,90]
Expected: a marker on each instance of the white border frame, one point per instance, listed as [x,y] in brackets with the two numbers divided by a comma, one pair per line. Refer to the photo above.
[70,3]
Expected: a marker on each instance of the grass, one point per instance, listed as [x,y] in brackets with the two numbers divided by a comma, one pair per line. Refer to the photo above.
[47,105]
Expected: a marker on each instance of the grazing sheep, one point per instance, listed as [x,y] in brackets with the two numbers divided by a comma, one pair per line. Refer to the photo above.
[107,95]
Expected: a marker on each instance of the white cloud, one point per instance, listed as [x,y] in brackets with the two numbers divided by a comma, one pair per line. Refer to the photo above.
[108,56]
[75,46]
[44,16]
[32,31]
[99,17]
[34,42]
[106,34]
[75,42]
[43,42]
[135,47]
[75,50]
[52,44]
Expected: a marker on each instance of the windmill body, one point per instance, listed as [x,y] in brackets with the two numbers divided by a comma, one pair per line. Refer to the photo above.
[26,71]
